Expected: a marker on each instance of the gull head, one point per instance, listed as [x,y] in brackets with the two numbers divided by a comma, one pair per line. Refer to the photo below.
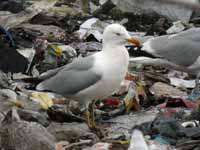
[117,35]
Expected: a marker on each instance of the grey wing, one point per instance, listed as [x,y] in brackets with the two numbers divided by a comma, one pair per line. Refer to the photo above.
[50,73]
[72,78]
[182,48]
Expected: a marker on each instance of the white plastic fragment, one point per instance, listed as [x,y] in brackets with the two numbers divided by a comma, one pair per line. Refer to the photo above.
[29,53]
[177,74]
[85,27]
[137,141]
[182,83]
[92,26]
[177,27]
[194,123]
[101,2]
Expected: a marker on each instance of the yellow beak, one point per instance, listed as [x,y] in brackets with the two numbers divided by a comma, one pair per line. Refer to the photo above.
[134,41]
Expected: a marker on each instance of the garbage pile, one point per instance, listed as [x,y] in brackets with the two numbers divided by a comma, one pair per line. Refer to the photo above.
[156,107]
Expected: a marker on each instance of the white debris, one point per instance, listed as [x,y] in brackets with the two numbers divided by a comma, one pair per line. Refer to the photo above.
[177,27]
[29,53]
[93,27]
[86,27]
[182,83]
[137,141]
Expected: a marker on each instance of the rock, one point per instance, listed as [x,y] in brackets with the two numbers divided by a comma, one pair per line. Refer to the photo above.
[30,112]
[62,11]
[105,7]
[24,16]
[63,15]
[189,144]
[27,102]
[62,113]
[4,80]
[54,15]
[22,135]
[26,34]
[71,131]
[85,6]
[173,12]
[171,130]
[120,126]
[87,48]
[14,61]
[11,5]
[159,27]
[8,98]
[45,19]
[160,89]
[64,2]
[33,116]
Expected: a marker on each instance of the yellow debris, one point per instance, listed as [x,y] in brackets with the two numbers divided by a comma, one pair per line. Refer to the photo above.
[43,98]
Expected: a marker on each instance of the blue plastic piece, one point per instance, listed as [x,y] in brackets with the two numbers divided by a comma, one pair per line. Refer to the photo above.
[7,37]
[159,139]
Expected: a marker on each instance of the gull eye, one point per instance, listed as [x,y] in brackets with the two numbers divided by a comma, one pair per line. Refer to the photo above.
[118,34]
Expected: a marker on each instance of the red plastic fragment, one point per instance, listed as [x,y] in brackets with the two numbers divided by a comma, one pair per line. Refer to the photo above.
[178,102]
[111,101]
